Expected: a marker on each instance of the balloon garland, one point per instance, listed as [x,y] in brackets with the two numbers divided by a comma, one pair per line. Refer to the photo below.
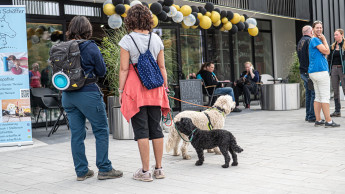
[188,16]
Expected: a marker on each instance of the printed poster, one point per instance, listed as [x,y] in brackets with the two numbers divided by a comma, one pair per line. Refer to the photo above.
[15,117]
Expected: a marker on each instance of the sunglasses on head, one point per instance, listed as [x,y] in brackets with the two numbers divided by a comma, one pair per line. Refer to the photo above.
[317,22]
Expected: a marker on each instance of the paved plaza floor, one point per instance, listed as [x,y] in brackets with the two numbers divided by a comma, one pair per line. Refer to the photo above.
[282,154]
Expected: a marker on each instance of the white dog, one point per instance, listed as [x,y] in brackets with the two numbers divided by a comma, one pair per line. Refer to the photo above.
[216,117]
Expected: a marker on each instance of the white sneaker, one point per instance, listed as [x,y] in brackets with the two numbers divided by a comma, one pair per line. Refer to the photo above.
[139,175]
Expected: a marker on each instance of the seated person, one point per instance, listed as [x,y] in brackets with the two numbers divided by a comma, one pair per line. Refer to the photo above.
[192,76]
[35,76]
[246,84]
[210,79]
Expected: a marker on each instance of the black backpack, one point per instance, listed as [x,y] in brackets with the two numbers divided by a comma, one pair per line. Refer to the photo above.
[66,61]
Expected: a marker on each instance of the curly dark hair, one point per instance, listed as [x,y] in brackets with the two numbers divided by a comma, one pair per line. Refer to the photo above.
[79,28]
[139,18]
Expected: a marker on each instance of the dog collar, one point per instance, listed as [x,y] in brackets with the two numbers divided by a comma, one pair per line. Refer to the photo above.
[192,135]
[221,110]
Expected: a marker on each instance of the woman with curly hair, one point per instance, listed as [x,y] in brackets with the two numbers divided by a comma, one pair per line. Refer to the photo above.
[141,106]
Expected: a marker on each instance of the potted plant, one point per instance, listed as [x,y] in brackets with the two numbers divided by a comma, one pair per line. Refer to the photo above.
[295,77]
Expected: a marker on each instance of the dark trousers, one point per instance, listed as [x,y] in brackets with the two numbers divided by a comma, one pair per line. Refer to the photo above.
[246,89]
[337,76]
[309,98]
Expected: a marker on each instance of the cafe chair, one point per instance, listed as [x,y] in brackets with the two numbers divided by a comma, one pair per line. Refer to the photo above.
[44,99]
[209,98]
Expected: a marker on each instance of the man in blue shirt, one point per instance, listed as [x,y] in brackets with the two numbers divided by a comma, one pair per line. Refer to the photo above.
[303,56]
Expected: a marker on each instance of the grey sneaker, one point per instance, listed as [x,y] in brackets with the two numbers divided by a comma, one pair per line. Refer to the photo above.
[336,114]
[158,173]
[89,174]
[333,124]
[319,123]
[109,175]
[139,175]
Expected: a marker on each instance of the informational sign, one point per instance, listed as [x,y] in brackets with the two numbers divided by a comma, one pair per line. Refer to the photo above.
[191,91]
[15,117]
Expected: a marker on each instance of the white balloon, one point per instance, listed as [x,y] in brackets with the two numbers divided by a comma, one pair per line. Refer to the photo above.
[189,20]
[172,12]
[251,22]
[115,21]
[178,17]
[106,2]
[135,2]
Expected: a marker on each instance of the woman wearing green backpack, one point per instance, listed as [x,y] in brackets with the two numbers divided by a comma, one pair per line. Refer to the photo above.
[140,105]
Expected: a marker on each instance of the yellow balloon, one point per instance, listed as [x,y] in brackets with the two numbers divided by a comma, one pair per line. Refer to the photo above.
[227,26]
[127,8]
[208,14]
[253,31]
[150,5]
[236,18]
[222,29]
[155,20]
[217,23]
[215,16]
[225,20]
[109,9]
[186,10]
[194,27]
[184,26]
[177,7]
[200,16]
[242,18]
[205,22]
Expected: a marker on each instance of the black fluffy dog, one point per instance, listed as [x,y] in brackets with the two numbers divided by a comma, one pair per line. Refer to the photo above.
[202,140]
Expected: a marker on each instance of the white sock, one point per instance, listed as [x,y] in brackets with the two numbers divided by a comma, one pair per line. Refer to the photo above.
[330,122]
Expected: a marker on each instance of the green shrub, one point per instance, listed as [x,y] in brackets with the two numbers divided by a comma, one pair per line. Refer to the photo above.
[295,77]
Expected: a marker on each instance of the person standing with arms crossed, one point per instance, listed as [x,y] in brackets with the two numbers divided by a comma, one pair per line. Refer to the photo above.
[303,56]
[318,72]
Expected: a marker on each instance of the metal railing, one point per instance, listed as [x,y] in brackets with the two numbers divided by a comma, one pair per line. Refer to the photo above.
[83,10]
[39,7]
[241,4]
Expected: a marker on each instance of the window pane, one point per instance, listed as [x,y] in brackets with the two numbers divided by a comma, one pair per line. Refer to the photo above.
[242,44]
[219,53]
[191,51]
[264,25]
[263,53]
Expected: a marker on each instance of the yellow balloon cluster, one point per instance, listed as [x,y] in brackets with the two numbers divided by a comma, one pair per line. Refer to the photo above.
[236,18]
[186,10]
[253,31]
[155,20]
[215,16]
[205,22]
[127,8]
[109,9]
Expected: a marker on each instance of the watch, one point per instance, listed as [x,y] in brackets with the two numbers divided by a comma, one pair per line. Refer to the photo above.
[120,91]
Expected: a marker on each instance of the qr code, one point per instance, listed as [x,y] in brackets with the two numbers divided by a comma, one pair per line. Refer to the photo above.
[24,93]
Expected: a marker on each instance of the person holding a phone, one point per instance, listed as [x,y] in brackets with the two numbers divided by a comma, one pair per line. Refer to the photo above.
[318,73]
[246,84]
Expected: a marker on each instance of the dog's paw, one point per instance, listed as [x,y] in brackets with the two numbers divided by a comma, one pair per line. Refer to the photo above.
[187,157]
[210,151]
[198,163]
[176,154]
[234,164]
[225,165]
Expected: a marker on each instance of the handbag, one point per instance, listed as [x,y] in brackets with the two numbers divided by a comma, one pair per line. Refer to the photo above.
[310,84]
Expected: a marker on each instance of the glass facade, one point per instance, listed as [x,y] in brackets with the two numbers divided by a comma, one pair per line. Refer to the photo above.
[243,51]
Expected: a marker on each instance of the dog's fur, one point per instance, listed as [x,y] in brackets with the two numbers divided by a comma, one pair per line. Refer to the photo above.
[200,120]
[202,139]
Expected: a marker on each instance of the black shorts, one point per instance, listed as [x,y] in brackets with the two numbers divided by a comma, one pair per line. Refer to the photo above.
[146,123]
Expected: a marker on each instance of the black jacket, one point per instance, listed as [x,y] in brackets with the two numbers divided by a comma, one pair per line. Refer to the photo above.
[342,57]
[209,80]
[303,53]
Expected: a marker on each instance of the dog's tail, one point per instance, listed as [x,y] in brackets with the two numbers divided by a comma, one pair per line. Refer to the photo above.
[170,143]
[234,146]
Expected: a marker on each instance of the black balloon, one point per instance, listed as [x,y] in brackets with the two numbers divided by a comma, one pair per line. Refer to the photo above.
[116,2]
[194,8]
[156,8]
[168,19]
[166,8]
[162,16]
[246,25]
[202,10]
[197,22]
[145,4]
[219,27]
[240,26]
[195,14]
[209,6]
[245,16]
[120,9]
[223,14]
[234,29]
[160,2]
[168,2]
[217,10]
[230,15]
[55,36]
[126,2]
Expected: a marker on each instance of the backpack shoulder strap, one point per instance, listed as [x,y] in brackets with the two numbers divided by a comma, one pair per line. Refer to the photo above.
[148,48]
[134,43]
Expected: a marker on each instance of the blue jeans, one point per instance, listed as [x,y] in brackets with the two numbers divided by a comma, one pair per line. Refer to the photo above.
[309,99]
[90,105]
[225,90]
